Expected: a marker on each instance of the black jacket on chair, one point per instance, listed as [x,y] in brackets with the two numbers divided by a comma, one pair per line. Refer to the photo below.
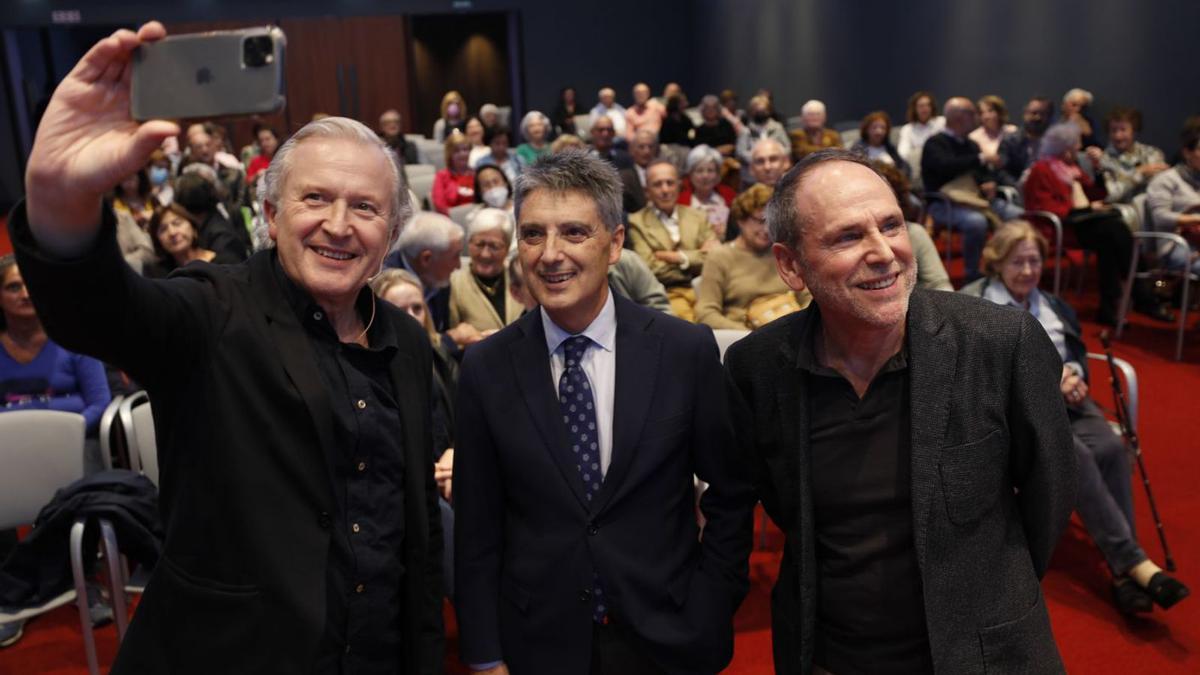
[993,479]
[244,424]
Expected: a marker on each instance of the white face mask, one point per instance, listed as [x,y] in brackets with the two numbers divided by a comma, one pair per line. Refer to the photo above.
[496,197]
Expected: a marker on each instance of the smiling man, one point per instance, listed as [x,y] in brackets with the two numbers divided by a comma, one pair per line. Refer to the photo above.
[291,410]
[912,446]
[580,428]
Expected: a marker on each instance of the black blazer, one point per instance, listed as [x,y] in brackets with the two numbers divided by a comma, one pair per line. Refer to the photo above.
[243,422]
[993,478]
[633,193]
[526,542]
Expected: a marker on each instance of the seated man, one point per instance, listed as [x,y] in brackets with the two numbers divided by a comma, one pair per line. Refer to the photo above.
[1128,165]
[759,125]
[768,161]
[604,133]
[953,164]
[814,136]
[1020,150]
[643,150]
[391,132]
[715,130]
[645,113]
[672,239]
[1174,200]
[608,107]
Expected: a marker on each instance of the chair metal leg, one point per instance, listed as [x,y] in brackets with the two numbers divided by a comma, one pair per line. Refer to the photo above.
[81,597]
[1183,312]
[1127,291]
[116,576]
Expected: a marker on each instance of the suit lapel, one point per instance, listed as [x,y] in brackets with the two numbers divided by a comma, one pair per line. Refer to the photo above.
[689,229]
[933,356]
[531,367]
[299,362]
[637,372]
[657,231]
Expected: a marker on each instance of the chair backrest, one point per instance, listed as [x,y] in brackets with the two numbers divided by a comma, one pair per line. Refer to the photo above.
[583,127]
[41,451]
[463,213]
[422,186]
[111,440]
[1129,386]
[726,337]
[432,152]
[137,418]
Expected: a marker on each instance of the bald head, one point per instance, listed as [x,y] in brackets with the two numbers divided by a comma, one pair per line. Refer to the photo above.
[641,93]
[961,115]
[768,161]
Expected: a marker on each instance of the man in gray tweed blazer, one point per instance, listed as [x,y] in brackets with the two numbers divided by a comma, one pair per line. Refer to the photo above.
[911,444]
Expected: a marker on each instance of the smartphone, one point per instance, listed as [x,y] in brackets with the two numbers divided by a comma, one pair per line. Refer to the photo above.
[217,74]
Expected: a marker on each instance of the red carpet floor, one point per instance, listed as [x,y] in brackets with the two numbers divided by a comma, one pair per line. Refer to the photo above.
[1092,636]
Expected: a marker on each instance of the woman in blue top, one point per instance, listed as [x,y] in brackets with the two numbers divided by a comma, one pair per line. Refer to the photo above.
[36,373]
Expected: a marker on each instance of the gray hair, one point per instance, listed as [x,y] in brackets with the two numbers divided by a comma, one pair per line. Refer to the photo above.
[428,231]
[573,170]
[488,219]
[1083,93]
[529,118]
[399,207]
[646,133]
[783,218]
[1058,139]
[701,154]
[710,99]
[488,108]
[812,105]
[763,142]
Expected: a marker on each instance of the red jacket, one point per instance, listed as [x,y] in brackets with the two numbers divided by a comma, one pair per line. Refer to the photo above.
[1045,191]
[685,193]
[446,192]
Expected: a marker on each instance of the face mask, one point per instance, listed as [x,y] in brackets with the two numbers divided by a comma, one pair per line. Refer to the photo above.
[452,110]
[158,175]
[496,197]
[761,117]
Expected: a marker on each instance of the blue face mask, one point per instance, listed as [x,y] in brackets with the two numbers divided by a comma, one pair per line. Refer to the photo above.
[158,175]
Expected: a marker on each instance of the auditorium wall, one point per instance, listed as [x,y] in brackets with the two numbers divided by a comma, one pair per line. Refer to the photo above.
[862,55]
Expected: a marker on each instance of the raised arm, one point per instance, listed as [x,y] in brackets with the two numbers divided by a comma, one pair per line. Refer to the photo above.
[87,142]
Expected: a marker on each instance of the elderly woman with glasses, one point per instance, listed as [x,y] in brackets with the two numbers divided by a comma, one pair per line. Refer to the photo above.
[478,294]
[740,287]
[702,188]
[1012,263]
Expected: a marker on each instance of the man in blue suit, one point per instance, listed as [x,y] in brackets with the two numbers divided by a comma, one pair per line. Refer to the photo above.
[580,429]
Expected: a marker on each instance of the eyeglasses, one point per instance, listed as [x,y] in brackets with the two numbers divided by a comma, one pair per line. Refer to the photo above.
[1022,263]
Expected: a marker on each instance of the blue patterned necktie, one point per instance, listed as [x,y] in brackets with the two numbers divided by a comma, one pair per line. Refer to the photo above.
[579,418]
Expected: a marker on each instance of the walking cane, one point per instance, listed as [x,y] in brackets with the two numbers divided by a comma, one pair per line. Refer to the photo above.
[1131,441]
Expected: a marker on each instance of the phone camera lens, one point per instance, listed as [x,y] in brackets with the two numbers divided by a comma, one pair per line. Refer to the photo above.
[258,51]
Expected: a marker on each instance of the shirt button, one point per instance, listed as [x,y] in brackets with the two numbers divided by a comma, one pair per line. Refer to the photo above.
[356,528]
[318,316]
[347,649]
[361,404]
[359,588]
[585,595]
[593,529]
[362,466]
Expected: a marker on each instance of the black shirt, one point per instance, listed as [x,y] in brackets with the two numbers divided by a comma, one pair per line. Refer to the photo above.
[719,134]
[870,608]
[365,572]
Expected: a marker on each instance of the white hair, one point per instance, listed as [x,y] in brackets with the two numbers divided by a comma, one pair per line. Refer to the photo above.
[1082,93]
[399,206]
[488,219]
[701,154]
[812,105]
[765,143]
[488,108]
[428,231]
[529,118]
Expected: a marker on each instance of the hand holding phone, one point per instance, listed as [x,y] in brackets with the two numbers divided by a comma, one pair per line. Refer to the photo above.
[87,141]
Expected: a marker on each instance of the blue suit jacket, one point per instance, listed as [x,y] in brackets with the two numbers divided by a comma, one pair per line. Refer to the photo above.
[527,542]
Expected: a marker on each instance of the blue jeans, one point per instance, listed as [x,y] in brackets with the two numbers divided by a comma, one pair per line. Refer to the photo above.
[1175,258]
[974,228]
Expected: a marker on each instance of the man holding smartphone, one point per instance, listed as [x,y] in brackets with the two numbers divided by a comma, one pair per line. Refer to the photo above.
[291,411]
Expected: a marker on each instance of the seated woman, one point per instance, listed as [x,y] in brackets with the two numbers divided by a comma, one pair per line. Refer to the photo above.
[492,188]
[454,116]
[874,144]
[268,142]
[499,140]
[1075,105]
[177,243]
[455,184]
[923,122]
[993,124]
[1127,164]
[36,373]
[1057,184]
[133,205]
[1012,263]
[535,129]
[565,111]
[1173,197]
[702,188]
[677,127]
[477,293]
[740,287]
[715,130]
[474,131]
